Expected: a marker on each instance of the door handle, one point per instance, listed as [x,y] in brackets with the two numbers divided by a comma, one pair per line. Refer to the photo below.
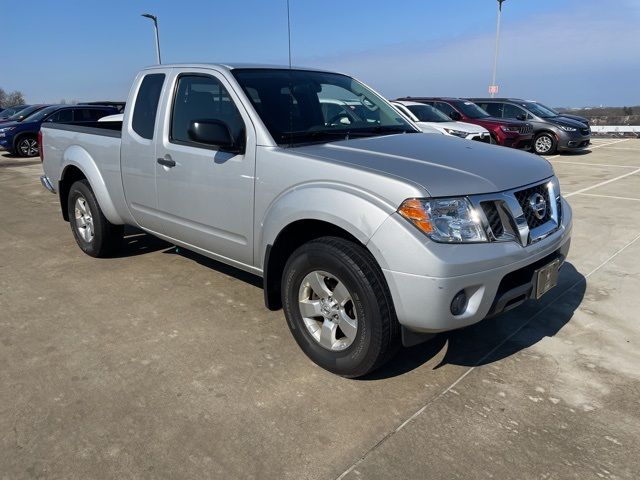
[166,162]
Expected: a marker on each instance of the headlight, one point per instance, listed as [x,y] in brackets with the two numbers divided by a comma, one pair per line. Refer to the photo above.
[448,220]
[457,133]
[6,129]
[507,129]
[567,129]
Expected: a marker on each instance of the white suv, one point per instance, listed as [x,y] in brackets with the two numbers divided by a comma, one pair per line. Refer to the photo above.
[428,118]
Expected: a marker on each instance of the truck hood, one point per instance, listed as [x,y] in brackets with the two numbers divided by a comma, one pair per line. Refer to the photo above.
[442,165]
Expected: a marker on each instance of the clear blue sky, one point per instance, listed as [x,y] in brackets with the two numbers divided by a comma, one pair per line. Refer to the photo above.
[561,52]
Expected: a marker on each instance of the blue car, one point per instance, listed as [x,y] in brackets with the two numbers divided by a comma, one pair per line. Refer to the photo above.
[21,138]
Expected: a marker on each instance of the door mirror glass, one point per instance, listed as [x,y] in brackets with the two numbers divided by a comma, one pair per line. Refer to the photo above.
[455,116]
[212,132]
[521,116]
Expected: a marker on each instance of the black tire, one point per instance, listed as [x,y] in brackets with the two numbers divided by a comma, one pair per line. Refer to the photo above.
[106,236]
[377,337]
[27,146]
[545,144]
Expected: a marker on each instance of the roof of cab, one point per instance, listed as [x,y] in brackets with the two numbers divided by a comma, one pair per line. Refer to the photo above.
[233,66]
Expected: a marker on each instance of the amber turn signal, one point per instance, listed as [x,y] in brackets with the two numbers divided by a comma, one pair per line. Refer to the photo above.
[414,210]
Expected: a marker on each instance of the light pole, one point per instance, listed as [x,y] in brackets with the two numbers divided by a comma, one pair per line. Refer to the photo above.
[155,26]
[493,88]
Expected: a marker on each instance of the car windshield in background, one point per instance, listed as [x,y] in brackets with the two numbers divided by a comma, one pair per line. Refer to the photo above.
[25,112]
[41,114]
[427,113]
[471,110]
[300,106]
[539,110]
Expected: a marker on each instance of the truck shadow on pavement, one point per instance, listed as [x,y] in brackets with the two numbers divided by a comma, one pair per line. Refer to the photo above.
[136,242]
[499,337]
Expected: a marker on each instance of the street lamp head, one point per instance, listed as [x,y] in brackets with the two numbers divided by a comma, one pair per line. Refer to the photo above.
[500,4]
[155,19]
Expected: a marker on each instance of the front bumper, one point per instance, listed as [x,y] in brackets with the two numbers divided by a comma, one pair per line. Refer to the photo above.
[424,276]
[569,142]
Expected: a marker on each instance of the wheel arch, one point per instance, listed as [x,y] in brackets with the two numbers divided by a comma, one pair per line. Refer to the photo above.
[289,239]
[80,165]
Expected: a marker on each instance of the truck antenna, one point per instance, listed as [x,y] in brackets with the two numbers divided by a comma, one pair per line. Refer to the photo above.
[289,31]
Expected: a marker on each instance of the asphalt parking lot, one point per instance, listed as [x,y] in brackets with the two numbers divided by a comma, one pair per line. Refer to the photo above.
[162,364]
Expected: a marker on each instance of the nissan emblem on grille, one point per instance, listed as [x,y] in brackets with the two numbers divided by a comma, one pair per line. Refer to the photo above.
[538,205]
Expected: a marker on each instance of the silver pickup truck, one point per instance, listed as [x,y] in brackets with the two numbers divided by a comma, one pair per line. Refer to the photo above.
[366,232]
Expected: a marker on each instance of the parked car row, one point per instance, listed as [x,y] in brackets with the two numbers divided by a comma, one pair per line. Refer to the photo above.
[19,131]
[510,122]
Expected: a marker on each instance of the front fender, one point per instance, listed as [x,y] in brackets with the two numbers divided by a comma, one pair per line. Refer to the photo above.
[78,157]
[356,211]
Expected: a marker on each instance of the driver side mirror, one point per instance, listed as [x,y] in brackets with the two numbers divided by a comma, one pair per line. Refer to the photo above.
[521,117]
[455,116]
[215,133]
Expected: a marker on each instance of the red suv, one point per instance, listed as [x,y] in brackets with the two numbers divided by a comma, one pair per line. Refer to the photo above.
[509,133]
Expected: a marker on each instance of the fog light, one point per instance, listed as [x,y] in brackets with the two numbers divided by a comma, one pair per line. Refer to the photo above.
[459,303]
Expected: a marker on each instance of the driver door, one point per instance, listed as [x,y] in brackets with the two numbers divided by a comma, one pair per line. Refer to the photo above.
[205,195]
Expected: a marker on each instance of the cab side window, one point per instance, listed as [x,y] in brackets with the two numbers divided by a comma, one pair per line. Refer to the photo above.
[146,107]
[201,97]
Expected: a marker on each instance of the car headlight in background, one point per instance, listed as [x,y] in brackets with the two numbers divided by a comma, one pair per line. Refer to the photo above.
[6,129]
[457,133]
[567,129]
[448,220]
[507,129]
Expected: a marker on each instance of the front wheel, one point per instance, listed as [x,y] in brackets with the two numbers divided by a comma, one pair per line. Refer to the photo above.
[94,234]
[545,144]
[338,307]
[27,147]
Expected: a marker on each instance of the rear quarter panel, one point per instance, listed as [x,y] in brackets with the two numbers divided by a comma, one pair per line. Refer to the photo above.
[97,156]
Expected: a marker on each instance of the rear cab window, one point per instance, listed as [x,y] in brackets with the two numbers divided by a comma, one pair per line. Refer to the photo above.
[145,109]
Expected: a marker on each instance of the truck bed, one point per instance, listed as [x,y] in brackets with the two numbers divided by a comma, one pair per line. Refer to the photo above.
[109,129]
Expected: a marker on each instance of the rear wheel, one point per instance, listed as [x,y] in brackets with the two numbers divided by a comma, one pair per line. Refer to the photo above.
[545,144]
[27,146]
[338,307]
[94,234]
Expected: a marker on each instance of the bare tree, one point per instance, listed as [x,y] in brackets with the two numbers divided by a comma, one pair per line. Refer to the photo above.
[3,98]
[13,98]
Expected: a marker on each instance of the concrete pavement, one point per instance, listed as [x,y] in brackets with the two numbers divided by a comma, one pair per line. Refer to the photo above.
[163,364]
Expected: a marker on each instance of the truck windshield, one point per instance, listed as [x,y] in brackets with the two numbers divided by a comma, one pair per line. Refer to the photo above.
[301,107]
[427,113]
[471,110]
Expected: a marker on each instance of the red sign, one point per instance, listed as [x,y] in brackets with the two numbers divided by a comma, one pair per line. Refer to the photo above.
[493,89]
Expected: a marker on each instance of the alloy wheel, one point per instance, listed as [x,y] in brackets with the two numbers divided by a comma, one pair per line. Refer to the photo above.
[327,310]
[28,147]
[543,144]
[84,219]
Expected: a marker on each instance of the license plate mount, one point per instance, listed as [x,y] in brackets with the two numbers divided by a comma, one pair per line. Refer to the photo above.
[546,278]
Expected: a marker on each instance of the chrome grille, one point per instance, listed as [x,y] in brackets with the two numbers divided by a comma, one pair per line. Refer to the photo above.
[509,215]
[493,217]
[524,196]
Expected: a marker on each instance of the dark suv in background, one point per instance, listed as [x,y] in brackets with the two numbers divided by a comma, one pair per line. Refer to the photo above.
[21,138]
[509,133]
[551,131]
